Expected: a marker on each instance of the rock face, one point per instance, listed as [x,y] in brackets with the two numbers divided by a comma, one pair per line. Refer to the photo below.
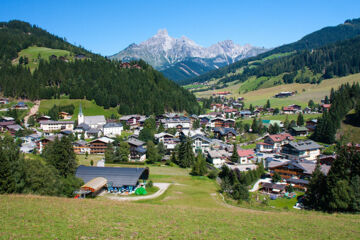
[164,53]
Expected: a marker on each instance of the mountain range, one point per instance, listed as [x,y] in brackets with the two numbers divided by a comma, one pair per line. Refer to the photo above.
[182,58]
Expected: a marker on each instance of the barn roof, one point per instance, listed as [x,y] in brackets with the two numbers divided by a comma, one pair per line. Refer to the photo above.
[116,175]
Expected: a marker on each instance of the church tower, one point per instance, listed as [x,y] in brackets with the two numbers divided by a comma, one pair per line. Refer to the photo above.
[81,118]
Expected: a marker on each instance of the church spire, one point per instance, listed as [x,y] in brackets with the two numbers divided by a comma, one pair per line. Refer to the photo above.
[80,109]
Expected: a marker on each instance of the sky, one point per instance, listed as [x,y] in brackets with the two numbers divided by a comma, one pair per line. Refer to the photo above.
[106,27]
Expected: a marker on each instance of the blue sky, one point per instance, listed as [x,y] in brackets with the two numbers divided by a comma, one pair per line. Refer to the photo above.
[109,26]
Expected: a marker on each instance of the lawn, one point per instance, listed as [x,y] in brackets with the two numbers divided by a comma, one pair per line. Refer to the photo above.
[89,107]
[33,52]
[190,209]
[282,117]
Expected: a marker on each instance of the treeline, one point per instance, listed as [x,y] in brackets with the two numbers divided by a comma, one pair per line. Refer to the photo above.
[142,91]
[55,176]
[329,35]
[347,97]
[17,35]
[340,189]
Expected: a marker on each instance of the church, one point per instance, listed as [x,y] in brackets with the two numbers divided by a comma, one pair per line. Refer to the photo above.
[95,122]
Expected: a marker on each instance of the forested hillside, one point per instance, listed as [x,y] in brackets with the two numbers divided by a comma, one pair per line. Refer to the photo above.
[321,38]
[139,89]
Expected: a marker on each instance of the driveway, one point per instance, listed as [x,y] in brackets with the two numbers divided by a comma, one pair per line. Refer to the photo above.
[162,188]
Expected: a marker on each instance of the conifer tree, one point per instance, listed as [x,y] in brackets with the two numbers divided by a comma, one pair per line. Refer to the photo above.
[300,120]
[235,156]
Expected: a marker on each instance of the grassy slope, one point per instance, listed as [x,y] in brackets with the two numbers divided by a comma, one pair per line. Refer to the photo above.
[33,52]
[188,210]
[312,91]
[89,107]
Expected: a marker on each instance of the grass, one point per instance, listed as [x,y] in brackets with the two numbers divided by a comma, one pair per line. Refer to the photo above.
[189,209]
[89,107]
[33,52]
[282,117]
[259,97]
[82,160]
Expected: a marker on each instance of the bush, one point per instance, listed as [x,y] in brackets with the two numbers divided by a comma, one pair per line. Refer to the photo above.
[213,174]
[149,184]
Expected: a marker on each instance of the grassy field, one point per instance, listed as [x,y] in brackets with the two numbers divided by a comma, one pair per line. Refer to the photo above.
[305,92]
[282,117]
[89,107]
[189,209]
[32,53]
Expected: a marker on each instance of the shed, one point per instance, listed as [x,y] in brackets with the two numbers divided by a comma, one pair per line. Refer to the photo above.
[94,184]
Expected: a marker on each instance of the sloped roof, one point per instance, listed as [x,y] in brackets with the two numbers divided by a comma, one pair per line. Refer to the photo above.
[202,137]
[245,152]
[304,145]
[103,139]
[299,129]
[116,175]
[94,184]
[225,131]
[136,142]
[91,120]
[280,137]
[112,125]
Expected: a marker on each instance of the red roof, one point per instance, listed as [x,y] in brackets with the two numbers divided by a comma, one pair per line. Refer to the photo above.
[280,137]
[245,152]
[326,105]
[289,108]
[262,143]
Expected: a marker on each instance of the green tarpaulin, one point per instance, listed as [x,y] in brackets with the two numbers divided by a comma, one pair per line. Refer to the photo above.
[140,191]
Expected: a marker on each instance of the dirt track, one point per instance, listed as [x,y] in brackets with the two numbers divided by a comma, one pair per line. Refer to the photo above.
[32,111]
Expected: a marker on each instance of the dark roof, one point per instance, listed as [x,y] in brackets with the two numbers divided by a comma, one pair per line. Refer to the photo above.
[136,142]
[83,126]
[304,145]
[117,175]
[273,185]
[112,124]
[140,149]
[297,181]
[198,136]
[225,131]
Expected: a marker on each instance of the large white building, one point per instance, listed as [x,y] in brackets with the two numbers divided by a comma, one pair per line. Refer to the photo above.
[50,126]
[93,121]
[112,129]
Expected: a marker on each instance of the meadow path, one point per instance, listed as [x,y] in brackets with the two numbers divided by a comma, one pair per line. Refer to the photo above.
[162,188]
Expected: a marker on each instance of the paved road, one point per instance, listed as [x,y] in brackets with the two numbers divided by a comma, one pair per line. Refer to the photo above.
[162,188]
[256,185]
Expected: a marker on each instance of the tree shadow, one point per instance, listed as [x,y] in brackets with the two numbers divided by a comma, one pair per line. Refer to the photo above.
[352,120]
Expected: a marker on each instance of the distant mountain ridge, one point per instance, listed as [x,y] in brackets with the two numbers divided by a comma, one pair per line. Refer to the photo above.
[183,58]
[327,35]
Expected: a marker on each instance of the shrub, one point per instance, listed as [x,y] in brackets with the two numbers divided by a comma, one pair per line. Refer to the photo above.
[213,174]
[149,184]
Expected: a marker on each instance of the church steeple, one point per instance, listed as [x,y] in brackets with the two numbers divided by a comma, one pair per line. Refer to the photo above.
[80,115]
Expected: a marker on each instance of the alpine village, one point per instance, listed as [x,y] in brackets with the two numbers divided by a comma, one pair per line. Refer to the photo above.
[128,146]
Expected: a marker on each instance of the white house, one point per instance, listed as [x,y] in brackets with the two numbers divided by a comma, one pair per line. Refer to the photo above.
[217,157]
[246,156]
[201,142]
[112,129]
[308,150]
[50,126]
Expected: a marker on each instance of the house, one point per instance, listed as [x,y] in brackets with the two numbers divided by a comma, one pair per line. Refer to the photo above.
[308,150]
[274,141]
[7,119]
[204,121]
[81,147]
[98,146]
[289,110]
[226,133]
[93,121]
[43,118]
[21,106]
[50,126]
[4,101]
[65,115]
[80,56]
[284,94]
[246,156]
[3,125]
[217,157]
[132,120]
[311,124]
[112,129]
[137,150]
[299,131]
[245,113]
[200,143]
[168,140]
[273,188]
[295,170]
[13,129]
[179,123]
[325,107]
[93,133]
[40,144]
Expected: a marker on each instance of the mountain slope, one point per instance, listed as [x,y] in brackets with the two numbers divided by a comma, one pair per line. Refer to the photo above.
[137,89]
[327,35]
[169,55]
